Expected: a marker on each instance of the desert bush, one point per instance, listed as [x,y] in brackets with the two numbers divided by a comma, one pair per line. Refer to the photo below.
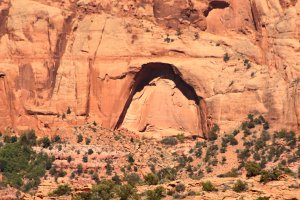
[208,186]
[109,168]
[240,186]
[167,174]
[85,159]
[79,138]
[44,142]
[90,151]
[226,57]
[244,154]
[79,169]
[170,141]
[61,190]
[83,196]
[151,179]
[232,173]
[253,169]
[229,138]
[116,179]
[130,158]
[69,111]
[87,141]
[265,136]
[256,156]
[259,144]
[10,139]
[28,138]
[104,190]
[133,179]
[266,126]
[198,152]
[56,138]
[180,187]
[212,135]
[270,175]
[156,194]
[180,137]
[19,162]
[126,192]
[69,159]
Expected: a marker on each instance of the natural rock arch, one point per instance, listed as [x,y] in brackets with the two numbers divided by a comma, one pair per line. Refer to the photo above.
[155,85]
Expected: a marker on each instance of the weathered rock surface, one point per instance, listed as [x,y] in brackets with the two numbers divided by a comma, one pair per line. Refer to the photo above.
[88,56]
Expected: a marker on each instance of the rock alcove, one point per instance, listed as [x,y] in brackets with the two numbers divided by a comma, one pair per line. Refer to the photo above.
[161,101]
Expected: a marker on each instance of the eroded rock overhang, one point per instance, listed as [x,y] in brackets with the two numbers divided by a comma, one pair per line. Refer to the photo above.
[161,102]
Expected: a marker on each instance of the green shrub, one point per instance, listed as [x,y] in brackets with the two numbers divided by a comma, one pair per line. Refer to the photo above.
[56,138]
[69,159]
[266,126]
[170,141]
[244,154]
[232,173]
[151,179]
[104,190]
[229,138]
[130,158]
[156,194]
[10,139]
[133,179]
[191,193]
[180,137]
[85,159]
[167,174]
[256,156]
[270,175]
[126,192]
[61,173]
[83,196]
[95,177]
[253,169]
[226,57]
[180,187]
[87,141]
[90,151]
[45,142]
[116,179]
[18,162]
[79,169]
[109,168]
[61,190]
[198,152]
[212,135]
[208,186]
[235,132]
[79,138]
[265,135]
[28,138]
[240,186]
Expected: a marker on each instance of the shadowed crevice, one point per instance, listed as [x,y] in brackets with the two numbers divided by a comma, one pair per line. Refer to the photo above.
[215,5]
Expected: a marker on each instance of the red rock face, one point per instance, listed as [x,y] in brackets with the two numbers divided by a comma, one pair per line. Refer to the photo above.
[88,56]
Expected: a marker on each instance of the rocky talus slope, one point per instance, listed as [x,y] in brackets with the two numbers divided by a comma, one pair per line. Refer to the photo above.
[156,66]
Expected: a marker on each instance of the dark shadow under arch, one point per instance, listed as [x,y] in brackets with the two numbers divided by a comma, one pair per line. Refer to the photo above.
[151,71]
[218,4]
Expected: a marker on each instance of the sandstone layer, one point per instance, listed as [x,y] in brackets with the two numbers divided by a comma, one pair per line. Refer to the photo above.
[155,66]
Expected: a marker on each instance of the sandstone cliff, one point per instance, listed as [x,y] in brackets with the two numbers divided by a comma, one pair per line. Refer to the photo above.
[148,65]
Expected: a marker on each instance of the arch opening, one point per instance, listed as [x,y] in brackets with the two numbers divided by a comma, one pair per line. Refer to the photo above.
[161,100]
